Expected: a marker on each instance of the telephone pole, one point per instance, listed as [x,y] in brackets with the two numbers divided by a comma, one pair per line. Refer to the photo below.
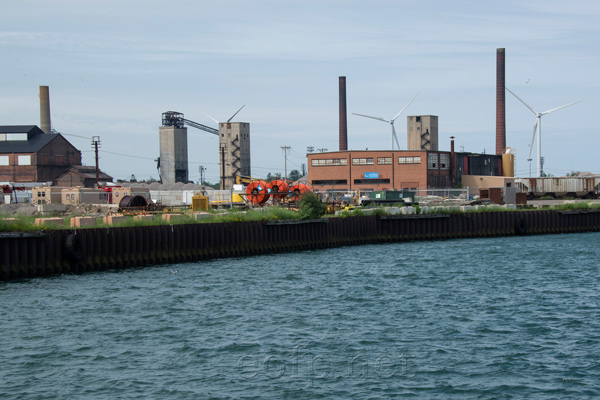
[202,170]
[95,144]
[285,149]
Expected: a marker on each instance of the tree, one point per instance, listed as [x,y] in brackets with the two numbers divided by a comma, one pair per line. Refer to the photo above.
[573,173]
[270,177]
[311,207]
[294,175]
[215,186]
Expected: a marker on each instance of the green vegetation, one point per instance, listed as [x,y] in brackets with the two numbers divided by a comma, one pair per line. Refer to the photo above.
[19,224]
[311,206]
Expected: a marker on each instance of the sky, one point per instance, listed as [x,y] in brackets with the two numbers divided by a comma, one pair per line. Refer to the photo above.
[113,68]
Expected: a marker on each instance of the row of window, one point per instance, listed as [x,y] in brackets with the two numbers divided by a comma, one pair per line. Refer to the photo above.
[21,160]
[345,182]
[435,162]
[364,161]
[9,137]
[409,160]
[331,161]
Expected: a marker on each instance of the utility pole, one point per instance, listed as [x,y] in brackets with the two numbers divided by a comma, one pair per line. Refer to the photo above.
[303,169]
[285,149]
[321,150]
[95,143]
[202,169]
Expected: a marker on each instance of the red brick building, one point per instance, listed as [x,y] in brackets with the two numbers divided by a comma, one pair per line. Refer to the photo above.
[84,176]
[398,169]
[27,154]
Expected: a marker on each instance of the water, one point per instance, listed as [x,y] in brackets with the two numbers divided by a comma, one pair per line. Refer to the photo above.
[479,318]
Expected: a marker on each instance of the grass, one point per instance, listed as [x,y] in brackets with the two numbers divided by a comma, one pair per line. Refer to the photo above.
[22,223]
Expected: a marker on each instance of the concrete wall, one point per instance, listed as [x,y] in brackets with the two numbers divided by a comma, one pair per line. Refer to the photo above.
[234,138]
[417,125]
[173,154]
[477,182]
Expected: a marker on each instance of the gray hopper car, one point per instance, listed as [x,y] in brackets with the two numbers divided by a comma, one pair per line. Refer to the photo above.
[559,187]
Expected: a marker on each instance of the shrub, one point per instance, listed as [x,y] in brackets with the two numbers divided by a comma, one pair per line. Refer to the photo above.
[311,206]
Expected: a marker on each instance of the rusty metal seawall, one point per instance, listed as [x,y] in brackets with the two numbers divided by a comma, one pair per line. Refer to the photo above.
[75,251]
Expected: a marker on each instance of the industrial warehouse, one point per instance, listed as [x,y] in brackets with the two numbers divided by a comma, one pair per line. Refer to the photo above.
[33,159]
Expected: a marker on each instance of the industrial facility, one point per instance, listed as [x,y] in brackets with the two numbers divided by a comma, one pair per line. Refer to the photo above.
[234,148]
[420,166]
[29,154]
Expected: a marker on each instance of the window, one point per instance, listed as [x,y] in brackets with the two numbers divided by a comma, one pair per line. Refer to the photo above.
[444,161]
[3,160]
[432,161]
[2,137]
[16,136]
[371,181]
[329,162]
[330,182]
[24,160]
[409,160]
[384,160]
[362,161]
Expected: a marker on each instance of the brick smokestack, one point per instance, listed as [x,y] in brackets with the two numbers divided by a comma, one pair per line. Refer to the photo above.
[500,103]
[343,115]
[45,124]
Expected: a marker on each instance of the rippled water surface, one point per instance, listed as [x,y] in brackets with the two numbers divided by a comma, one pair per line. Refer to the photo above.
[478,318]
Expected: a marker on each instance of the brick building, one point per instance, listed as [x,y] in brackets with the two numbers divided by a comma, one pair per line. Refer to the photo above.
[27,154]
[397,169]
[80,175]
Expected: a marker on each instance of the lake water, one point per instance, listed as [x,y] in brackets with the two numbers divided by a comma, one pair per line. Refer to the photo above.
[515,317]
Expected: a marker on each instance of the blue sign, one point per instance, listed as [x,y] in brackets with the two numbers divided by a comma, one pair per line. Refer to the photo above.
[371,175]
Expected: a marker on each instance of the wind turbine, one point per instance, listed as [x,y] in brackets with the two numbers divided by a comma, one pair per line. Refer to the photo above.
[537,128]
[391,122]
[229,120]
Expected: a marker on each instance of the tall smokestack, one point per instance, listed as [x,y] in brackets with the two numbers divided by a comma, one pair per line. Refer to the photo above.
[45,124]
[500,103]
[343,115]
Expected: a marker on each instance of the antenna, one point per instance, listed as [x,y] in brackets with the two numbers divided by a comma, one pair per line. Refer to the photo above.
[537,128]
[391,122]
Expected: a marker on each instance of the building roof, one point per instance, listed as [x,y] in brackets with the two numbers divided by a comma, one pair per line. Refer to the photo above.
[86,172]
[37,139]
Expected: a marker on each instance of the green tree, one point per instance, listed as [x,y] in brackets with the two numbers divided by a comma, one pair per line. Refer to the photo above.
[215,186]
[294,175]
[311,206]
[270,177]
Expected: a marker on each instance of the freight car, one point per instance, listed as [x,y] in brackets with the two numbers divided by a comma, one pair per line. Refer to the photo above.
[559,187]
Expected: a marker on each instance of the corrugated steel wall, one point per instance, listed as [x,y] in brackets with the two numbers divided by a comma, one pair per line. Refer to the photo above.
[68,251]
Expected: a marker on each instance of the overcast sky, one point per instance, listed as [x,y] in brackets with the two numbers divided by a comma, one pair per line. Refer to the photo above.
[113,67]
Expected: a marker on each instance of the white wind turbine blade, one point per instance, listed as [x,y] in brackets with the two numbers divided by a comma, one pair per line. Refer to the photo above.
[558,108]
[395,137]
[229,120]
[210,117]
[533,137]
[369,116]
[397,115]
[521,100]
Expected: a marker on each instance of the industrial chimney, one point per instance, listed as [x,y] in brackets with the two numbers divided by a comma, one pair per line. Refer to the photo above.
[500,103]
[45,124]
[343,115]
